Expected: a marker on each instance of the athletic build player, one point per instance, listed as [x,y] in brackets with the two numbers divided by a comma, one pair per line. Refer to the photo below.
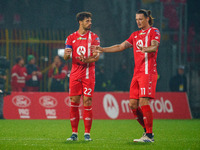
[145,43]
[82,77]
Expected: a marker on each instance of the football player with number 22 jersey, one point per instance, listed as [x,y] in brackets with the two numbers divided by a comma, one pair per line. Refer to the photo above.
[82,76]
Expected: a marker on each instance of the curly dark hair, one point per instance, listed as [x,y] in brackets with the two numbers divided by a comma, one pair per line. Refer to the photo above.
[82,15]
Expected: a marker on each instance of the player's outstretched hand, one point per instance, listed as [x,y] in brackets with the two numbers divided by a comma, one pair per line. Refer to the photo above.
[96,49]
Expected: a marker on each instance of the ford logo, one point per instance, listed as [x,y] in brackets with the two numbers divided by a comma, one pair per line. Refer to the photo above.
[48,101]
[21,101]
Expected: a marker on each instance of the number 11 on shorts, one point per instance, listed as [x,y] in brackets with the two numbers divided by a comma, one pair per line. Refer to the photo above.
[142,91]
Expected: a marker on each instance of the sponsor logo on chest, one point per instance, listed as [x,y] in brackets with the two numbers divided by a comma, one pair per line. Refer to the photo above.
[80,38]
[142,33]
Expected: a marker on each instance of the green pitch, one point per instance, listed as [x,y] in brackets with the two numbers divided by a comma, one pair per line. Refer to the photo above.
[106,134]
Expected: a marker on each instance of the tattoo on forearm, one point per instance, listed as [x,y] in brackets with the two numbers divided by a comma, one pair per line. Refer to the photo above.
[154,43]
[126,45]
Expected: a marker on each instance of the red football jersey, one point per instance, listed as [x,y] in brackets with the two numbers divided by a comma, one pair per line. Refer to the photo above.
[81,44]
[145,63]
[18,76]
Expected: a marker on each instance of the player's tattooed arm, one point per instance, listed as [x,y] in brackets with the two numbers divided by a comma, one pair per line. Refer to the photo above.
[112,49]
[126,45]
[152,48]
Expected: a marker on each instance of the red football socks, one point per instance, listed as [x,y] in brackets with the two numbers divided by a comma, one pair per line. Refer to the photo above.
[74,116]
[147,117]
[87,117]
[139,116]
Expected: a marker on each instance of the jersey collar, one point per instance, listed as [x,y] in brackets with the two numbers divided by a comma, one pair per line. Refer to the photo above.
[145,30]
[82,34]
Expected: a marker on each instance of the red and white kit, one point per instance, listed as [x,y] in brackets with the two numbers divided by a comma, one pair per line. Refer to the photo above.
[18,78]
[82,77]
[145,72]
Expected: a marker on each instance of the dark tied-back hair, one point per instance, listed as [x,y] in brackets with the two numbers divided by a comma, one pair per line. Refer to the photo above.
[146,13]
[18,58]
[82,15]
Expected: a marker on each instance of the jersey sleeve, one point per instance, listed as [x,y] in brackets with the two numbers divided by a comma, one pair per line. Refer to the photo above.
[155,35]
[130,39]
[96,41]
[68,42]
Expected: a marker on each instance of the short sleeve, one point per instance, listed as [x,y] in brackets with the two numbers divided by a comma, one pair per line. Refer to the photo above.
[130,39]
[155,35]
[96,41]
[68,42]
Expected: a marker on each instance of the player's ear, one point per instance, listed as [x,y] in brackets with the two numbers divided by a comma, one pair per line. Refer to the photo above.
[80,22]
[148,19]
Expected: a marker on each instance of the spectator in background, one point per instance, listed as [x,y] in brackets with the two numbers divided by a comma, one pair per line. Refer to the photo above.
[58,73]
[18,75]
[178,83]
[33,75]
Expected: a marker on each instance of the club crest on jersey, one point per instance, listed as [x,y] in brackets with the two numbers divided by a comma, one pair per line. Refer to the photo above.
[81,49]
[80,38]
[140,43]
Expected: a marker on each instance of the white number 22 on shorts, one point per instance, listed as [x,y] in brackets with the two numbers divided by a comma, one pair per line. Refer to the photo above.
[87,91]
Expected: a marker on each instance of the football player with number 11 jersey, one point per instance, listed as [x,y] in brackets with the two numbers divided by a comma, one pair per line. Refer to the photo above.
[145,43]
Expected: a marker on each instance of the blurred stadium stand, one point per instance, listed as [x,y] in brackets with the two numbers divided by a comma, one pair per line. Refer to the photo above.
[40,27]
